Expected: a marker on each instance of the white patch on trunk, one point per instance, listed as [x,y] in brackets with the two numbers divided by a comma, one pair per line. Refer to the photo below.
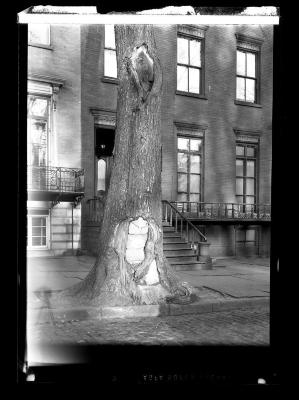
[152,275]
[137,237]
[138,227]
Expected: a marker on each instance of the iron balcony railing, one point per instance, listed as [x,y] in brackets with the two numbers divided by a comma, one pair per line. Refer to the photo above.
[55,179]
[200,211]
[223,211]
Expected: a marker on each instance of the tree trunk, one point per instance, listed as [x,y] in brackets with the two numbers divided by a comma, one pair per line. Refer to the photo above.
[131,267]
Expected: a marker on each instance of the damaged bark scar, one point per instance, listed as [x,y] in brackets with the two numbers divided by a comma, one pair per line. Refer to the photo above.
[141,68]
[135,246]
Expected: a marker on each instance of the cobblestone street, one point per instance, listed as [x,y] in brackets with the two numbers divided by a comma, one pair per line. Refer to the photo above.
[235,327]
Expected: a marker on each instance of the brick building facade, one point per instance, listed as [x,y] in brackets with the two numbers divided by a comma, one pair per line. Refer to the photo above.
[216,132]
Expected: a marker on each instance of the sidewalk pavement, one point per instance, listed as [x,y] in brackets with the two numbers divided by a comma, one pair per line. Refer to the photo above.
[232,283]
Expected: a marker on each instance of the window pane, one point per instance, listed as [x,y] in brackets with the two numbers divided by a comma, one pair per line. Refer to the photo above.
[39,33]
[239,167]
[240,63]
[38,221]
[109,36]
[240,235]
[250,168]
[195,164]
[36,241]
[182,162]
[250,151]
[194,183]
[240,150]
[38,142]
[110,66]
[182,197]
[43,241]
[194,80]
[250,90]
[250,235]
[182,51]
[239,186]
[195,144]
[182,78]
[101,175]
[183,143]
[36,231]
[182,182]
[195,197]
[195,53]
[249,186]
[38,107]
[240,199]
[251,65]
[250,199]
[241,88]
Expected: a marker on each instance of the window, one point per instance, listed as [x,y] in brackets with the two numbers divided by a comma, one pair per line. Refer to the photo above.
[189,65]
[110,64]
[38,126]
[37,236]
[248,70]
[189,170]
[39,34]
[246,175]
[246,236]
[246,76]
[38,140]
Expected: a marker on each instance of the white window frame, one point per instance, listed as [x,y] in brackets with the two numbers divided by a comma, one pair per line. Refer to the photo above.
[106,73]
[29,232]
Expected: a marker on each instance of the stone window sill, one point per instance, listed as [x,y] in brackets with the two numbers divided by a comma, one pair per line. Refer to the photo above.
[42,46]
[106,79]
[188,94]
[245,103]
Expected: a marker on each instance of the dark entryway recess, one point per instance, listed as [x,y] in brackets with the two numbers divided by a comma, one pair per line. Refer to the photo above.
[104,142]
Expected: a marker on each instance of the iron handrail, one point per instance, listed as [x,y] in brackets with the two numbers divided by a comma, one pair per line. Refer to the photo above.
[188,223]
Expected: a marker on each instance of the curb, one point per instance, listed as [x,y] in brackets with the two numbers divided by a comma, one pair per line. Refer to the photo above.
[84,313]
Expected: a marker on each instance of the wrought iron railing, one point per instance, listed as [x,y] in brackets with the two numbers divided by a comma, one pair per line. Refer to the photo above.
[56,179]
[223,211]
[172,216]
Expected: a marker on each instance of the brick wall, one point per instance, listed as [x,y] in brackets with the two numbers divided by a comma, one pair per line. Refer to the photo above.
[63,62]
[81,66]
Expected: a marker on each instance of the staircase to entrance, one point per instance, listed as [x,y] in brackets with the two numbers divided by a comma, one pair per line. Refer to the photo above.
[185,247]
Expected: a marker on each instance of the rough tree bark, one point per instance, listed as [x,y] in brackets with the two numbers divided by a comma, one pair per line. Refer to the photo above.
[131,267]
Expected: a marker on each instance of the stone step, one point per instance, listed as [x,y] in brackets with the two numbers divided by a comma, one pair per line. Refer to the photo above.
[172,234]
[182,260]
[168,229]
[172,239]
[176,246]
[179,253]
